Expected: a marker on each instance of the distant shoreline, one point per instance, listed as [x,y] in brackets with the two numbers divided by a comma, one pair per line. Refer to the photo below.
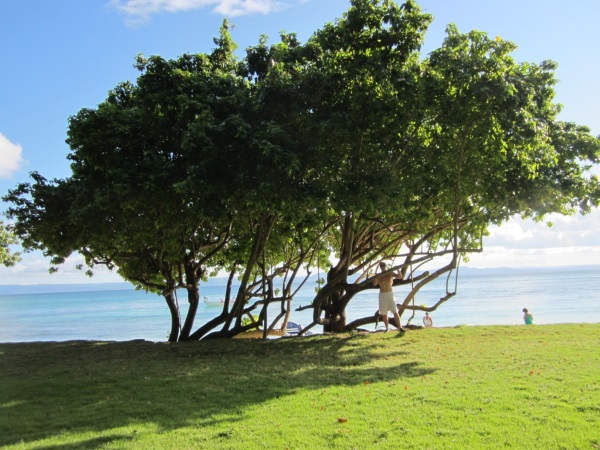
[47,288]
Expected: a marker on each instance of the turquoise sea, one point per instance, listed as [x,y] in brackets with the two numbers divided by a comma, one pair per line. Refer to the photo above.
[117,312]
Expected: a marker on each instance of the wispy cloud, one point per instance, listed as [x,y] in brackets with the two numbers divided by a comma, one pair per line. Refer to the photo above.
[142,10]
[34,269]
[497,256]
[566,231]
[10,157]
[572,240]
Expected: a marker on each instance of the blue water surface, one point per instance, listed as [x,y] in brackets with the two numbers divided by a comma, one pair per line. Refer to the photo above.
[484,297]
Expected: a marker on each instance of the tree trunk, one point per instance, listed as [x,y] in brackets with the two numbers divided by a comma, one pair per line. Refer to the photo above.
[335,314]
[194,300]
[174,310]
[338,321]
[261,237]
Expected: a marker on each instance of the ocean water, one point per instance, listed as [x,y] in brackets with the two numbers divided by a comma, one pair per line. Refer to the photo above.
[485,297]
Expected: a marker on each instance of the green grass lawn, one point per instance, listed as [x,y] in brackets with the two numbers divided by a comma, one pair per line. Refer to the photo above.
[532,387]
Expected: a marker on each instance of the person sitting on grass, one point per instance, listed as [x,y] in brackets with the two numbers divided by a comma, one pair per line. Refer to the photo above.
[427,320]
[527,317]
[387,302]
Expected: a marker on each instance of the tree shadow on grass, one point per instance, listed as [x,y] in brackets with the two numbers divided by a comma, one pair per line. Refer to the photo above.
[99,442]
[99,386]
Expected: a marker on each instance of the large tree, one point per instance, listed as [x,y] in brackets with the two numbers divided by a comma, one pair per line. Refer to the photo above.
[141,196]
[469,140]
[194,168]
[419,157]
[350,145]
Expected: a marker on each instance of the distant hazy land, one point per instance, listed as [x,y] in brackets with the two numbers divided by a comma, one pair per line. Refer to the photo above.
[12,289]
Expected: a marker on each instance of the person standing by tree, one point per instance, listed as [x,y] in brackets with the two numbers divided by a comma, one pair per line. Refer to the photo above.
[527,317]
[387,301]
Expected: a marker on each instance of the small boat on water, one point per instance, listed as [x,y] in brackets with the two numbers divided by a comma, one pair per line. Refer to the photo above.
[210,302]
[293,329]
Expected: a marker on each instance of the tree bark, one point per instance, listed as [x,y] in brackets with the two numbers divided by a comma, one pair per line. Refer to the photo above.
[174,310]
[194,300]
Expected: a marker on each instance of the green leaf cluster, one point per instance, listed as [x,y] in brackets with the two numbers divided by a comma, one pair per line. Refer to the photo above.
[7,238]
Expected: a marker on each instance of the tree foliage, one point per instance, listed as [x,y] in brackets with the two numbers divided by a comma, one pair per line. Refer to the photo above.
[7,238]
[351,146]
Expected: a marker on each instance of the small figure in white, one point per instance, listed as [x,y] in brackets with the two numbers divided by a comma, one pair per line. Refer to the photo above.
[427,320]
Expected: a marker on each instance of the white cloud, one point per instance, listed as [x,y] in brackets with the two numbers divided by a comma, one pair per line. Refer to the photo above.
[33,269]
[142,10]
[566,231]
[10,157]
[242,7]
[498,256]
[511,231]
[572,240]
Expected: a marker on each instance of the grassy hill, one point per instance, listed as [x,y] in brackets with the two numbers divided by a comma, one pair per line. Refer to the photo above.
[467,387]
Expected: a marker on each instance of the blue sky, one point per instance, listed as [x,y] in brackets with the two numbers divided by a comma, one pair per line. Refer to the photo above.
[58,56]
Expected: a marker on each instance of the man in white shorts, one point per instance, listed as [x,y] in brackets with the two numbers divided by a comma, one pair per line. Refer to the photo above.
[387,302]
